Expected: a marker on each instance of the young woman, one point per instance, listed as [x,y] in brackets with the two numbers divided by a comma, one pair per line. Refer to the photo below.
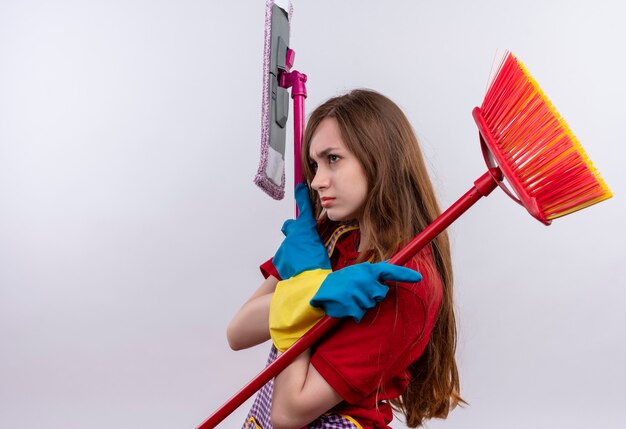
[370,194]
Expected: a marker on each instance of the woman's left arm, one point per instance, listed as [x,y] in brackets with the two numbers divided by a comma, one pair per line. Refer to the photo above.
[301,395]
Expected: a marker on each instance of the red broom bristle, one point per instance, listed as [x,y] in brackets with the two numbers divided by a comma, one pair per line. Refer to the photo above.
[548,163]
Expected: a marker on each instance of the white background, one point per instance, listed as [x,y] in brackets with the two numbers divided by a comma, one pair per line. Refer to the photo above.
[131,231]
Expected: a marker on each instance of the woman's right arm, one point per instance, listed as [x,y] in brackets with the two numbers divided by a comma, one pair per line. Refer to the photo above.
[250,326]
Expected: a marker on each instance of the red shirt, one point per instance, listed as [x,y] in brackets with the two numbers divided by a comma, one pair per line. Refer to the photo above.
[366,363]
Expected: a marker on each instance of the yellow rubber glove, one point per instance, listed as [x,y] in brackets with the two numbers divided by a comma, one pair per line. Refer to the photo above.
[291,315]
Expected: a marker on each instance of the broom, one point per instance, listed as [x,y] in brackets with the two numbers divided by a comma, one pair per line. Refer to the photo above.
[525,141]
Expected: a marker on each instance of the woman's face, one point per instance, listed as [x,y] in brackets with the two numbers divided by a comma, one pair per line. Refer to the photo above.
[339,180]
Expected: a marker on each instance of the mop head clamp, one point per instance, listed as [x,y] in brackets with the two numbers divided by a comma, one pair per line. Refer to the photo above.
[270,176]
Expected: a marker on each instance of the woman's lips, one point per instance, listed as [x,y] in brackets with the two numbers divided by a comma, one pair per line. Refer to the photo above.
[327,202]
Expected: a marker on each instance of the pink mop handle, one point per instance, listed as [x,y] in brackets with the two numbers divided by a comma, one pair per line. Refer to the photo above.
[298,132]
[297,82]
[482,187]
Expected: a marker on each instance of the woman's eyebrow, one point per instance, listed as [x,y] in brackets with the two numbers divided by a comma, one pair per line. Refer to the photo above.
[325,152]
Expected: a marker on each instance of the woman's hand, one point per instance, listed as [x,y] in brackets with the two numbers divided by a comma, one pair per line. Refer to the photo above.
[302,249]
[301,395]
[354,289]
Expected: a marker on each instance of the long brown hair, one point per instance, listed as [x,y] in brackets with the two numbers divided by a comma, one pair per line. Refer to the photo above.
[401,203]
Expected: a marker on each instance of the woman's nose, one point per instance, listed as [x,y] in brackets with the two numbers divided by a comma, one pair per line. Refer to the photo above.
[320,180]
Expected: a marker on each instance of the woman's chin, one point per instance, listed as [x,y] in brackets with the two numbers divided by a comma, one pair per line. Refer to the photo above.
[338,217]
[334,216]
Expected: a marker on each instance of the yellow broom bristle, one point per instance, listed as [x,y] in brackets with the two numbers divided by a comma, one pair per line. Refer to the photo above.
[547,160]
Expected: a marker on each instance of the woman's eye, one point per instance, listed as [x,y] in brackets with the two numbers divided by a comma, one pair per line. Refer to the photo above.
[333,158]
[313,166]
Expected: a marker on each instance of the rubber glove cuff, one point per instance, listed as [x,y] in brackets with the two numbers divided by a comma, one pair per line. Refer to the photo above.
[291,315]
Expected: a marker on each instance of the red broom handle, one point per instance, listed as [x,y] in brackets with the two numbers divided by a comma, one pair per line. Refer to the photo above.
[482,187]
[270,372]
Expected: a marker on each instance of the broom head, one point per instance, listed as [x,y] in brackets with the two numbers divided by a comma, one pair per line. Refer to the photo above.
[540,157]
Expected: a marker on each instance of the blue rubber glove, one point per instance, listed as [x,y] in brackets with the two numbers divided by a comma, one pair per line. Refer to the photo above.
[354,289]
[302,249]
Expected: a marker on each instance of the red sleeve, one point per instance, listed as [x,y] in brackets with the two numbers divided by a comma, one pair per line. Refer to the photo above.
[268,269]
[357,359]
